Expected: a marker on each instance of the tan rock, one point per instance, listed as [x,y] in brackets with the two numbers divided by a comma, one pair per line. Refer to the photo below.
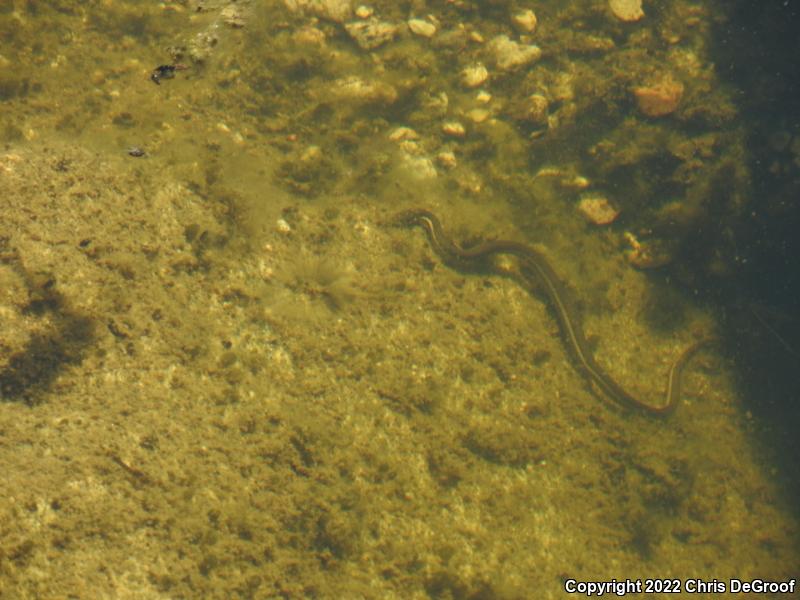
[454,128]
[659,99]
[510,55]
[309,36]
[400,134]
[418,167]
[478,115]
[447,159]
[334,10]
[598,210]
[525,21]
[474,75]
[422,27]
[627,10]
[536,107]
[371,33]
[358,92]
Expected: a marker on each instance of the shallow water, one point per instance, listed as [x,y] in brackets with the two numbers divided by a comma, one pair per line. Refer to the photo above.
[225,374]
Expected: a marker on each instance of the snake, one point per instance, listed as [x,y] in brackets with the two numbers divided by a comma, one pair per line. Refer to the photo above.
[535,268]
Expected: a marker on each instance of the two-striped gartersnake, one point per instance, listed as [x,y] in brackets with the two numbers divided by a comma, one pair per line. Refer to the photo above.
[534,266]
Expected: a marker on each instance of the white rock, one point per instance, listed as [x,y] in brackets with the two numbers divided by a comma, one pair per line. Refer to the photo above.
[358,91]
[419,167]
[364,12]
[474,75]
[627,10]
[598,210]
[411,147]
[510,55]
[578,182]
[403,133]
[422,27]
[525,21]
[454,128]
[335,10]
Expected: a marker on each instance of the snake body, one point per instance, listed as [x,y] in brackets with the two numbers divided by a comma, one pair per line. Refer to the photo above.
[535,266]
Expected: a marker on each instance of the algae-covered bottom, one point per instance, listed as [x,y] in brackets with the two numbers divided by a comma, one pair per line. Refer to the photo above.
[328,411]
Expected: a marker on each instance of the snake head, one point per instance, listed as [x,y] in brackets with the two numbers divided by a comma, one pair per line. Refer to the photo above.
[411,217]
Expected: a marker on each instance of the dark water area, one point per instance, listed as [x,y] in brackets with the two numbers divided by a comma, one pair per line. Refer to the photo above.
[756,52]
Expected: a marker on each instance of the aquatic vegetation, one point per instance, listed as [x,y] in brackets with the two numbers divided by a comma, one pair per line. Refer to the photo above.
[321,278]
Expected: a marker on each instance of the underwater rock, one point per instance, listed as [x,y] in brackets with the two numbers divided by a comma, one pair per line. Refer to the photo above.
[509,55]
[659,99]
[447,159]
[652,254]
[474,76]
[372,33]
[454,129]
[627,10]
[401,134]
[535,109]
[334,10]
[421,27]
[357,91]
[525,21]
[478,115]
[598,210]
[418,167]
[309,36]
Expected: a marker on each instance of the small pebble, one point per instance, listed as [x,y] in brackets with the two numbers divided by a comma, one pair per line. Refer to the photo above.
[626,10]
[598,210]
[447,159]
[579,182]
[403,133]
[660,99]
[421,27]
[364,12]
[474,75]
[454,128]
[478,115]
[525,21]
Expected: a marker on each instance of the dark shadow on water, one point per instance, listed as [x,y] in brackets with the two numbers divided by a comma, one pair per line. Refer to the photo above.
[59,340]
[755,50]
